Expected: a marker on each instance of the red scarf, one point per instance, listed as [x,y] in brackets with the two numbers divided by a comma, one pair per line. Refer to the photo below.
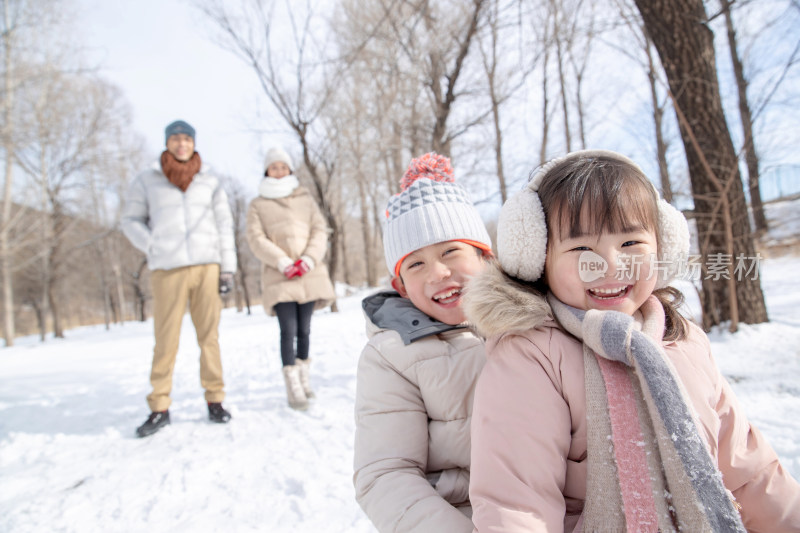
[180,173]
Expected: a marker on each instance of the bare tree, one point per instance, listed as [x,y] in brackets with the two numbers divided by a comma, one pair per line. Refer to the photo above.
[106,178]
[545,89]
[746,117]
[562,35]
[503,79]
[9,88]
[643,55]
[684,42]
[659,108]
[71,116]
[579,60]
[444,95]
[441,58]
[21,23]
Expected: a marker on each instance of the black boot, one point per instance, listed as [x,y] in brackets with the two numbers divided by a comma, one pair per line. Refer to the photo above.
[154,422]
[217,413]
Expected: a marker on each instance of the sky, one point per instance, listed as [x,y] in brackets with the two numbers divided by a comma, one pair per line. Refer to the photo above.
[69,461]
[161,54]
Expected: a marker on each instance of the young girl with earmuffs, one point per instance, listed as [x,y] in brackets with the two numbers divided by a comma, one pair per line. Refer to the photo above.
[600,407]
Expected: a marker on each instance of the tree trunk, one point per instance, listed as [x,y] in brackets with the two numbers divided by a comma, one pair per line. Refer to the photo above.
[55,313]
[562,82]
[366,232]
[108,304]
[564,102]
[106,288]
[46,252]
[684,42]
[120,293]
[580,110]
[658,125]
[746,116]
[545,111]
[5,218]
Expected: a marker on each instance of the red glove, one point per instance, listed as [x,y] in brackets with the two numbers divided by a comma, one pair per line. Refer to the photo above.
[301,266]
[292,271]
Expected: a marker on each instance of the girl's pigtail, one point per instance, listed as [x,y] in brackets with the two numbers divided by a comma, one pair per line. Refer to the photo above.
[675,326]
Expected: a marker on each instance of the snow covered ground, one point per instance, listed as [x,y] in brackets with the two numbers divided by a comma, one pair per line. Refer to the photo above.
[68,409]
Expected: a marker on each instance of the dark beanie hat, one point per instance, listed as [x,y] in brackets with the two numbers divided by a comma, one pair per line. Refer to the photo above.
[179,126]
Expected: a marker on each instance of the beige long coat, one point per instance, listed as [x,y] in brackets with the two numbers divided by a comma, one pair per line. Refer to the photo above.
[290,227]
[529,428]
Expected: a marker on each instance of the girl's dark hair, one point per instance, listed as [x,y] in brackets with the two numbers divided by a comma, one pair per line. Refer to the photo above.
[595,193]
[675,326]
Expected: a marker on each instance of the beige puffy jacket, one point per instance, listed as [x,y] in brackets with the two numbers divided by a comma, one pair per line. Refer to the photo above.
[529,431]
[413,410]
[290,227]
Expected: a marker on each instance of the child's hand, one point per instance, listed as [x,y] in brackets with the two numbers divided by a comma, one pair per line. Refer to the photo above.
[301,266]
[292,271]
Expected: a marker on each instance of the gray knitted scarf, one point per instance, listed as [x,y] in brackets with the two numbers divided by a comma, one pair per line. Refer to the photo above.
[658,474]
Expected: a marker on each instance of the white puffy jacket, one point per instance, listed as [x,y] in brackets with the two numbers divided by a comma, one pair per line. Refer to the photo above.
[176,229]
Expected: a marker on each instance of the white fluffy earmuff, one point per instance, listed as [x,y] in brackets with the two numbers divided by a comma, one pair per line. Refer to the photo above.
[522,228]
[673,248]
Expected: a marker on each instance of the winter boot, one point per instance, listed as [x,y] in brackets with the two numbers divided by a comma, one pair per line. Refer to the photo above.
[154,422]
[217,413]
[294,389]
[303,365]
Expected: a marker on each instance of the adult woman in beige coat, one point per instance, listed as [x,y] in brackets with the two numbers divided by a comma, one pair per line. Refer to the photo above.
[287,233]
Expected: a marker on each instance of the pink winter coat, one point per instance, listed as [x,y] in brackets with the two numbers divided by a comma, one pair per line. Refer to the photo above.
[529,431]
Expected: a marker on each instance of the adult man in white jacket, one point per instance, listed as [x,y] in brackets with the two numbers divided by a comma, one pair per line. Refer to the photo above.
[178,215]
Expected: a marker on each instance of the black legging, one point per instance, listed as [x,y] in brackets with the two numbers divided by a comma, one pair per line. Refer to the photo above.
[295,321]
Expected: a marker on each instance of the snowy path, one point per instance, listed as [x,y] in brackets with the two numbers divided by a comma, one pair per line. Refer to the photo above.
[69,461]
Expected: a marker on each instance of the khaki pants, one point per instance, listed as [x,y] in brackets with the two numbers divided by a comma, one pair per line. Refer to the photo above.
[199,285]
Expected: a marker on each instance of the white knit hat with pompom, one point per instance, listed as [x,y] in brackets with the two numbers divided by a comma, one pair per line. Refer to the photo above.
[430,209]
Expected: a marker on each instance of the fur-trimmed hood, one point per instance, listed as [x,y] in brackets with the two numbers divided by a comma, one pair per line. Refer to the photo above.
[495,303]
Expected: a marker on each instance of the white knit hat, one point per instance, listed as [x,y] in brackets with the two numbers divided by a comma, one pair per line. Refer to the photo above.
[430,209]
[522,228]
[277,154]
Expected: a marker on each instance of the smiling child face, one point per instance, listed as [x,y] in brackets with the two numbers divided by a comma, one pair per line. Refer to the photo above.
[433,278]
[627,280]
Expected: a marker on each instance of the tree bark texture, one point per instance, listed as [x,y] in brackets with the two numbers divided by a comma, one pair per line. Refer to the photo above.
[685,45]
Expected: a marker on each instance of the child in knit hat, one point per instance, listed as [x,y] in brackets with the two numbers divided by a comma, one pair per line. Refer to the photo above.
[600,407]
[287,232]
[417,373]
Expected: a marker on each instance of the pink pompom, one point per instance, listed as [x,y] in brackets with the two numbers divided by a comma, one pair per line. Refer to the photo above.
[432,166]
